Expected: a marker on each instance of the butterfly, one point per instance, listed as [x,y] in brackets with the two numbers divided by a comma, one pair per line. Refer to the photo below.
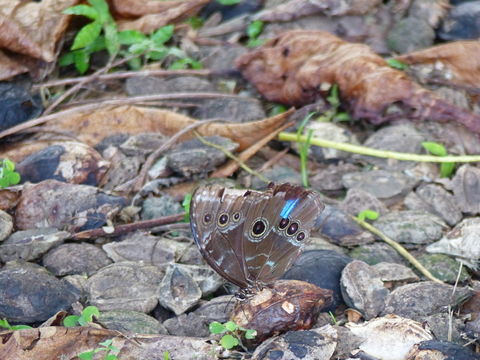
[251,238]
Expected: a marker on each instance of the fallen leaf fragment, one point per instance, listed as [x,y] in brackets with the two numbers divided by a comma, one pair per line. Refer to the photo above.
[55,342]
[31,28]
[294,67]
[91,128]
[153,14]
[460,58]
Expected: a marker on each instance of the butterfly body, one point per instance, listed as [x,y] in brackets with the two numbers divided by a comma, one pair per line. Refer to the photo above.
[251,238]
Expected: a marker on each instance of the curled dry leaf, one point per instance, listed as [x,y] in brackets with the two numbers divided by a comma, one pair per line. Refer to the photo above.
[287,305]
[93,127]
[31,28]
[294,68]
[58,342]
[153,14]
[460,58]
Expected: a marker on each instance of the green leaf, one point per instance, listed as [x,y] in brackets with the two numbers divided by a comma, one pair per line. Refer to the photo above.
[446,169]
[228,2]
[368,214]
[434,148]
[111,38]
[66,59]
[129,37]
[162,35]
[135,63]
[157,54]
[333,99]
[4,324]
[254,29]
[106,343]
[8,165]
[255,42]
[83,10]
[139,48]
[102,8]
[87,355]
[166,355]
[216,328]
[195,22]
[110,357]
[342,116]
[13,178]
[250,334]
[89,312]
[186,206]
[231,326]
[82,60]
[21,327]
[228,341]
[396,64]
[277,109]
[71,321]
[4,183]
[87,35]
[185,63]
[97,45]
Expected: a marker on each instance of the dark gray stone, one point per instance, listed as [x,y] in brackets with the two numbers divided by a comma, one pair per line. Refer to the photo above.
[28,293]
[127,321]
[125,286]
[69,259]
[330,177]
[410,34]
[6,225]
[392,272]
[362,288]
[375,253]
[157,207]
[462,22]
[237,110]
[149,85]
[443,267]
[466,189]
[189,324]
[358,200]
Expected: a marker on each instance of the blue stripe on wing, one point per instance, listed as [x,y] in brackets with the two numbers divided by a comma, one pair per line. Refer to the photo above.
[288,208]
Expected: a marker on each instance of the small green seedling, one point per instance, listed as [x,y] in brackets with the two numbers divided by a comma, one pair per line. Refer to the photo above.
[446,168]
[304,147]
[254,30]
[195,22]
[277,109]
[333,114]
[8,175]
[186,206]
[233,333]
[5,325]
[166,355]
[111,351]
[333,318]
[86,317]
[228,2]
[397,64]
[367,214]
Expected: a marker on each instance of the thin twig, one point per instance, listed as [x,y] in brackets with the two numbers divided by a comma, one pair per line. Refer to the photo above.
[233,157]
[126,228]
[122,75]
[120,101]
[140,179]
[399,248]
[362,150]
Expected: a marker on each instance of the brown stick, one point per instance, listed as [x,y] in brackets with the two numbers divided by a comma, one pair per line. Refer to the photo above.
[126,228]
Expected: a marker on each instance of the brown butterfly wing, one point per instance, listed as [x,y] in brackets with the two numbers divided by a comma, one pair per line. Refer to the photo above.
[271,254]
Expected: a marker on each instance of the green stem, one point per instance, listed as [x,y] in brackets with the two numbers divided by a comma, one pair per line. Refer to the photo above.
[362,150]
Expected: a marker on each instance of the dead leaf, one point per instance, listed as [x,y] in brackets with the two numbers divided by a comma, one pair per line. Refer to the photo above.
[460,58]
[294,68]
[91,128]
[55,342]
[32,28]
[153,14]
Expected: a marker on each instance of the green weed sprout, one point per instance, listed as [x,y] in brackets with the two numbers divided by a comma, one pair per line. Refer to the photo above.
[102,34]
[8,175]
[397,64]
[228,2]
[446,169]
[304,147]
[333,114]
[5,325]
[233,333]
[111,351]
[86,317]
[367,214]
[254,30]
[186,206]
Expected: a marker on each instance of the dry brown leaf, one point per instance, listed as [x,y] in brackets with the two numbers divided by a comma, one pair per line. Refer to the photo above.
[294,68]
[154,14]
[54,342]
[91,128]
[461,58]
[33,28]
